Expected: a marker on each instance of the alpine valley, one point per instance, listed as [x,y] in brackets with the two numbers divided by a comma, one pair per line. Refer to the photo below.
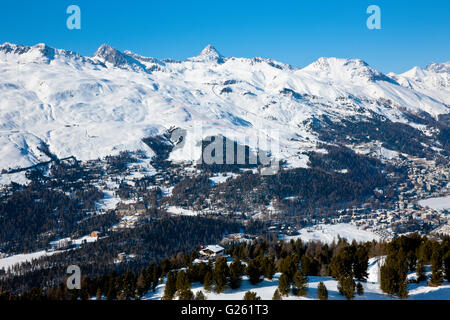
[100,157]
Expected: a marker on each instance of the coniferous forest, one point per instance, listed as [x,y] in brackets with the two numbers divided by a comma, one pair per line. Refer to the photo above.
[261,259]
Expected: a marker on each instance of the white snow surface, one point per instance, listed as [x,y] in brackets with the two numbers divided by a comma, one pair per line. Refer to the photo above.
[440,203]
[181,211]
[372,291]
[222,177]
[90,107]
[433,81]
[10,261]
[330,232]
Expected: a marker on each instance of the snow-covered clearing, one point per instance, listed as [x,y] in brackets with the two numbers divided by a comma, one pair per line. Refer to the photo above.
[10,261]
[330,232]
[181,211]
[222,177]
[441,203]
[266,288]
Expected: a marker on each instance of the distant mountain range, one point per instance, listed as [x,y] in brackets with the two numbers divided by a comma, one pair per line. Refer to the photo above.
[90,107]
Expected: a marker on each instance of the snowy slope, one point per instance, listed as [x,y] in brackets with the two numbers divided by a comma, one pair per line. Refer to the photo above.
[90,107]
[331,232]
[433,81]
[11,261]
[372,291]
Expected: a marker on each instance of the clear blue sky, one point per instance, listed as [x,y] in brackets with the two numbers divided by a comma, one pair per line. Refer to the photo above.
[296,32]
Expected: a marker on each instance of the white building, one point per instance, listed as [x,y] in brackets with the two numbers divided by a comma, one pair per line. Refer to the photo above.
[212,251]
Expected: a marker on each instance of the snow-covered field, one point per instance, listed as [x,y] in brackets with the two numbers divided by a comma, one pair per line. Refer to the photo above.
[330,232]
[441,203]
[109,201]
[181,211]
[18,177]
[222,177]
[76,242]
[10,261]
[372,291]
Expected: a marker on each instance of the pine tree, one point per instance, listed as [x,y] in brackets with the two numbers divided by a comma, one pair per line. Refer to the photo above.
[268,267]
[99,294]
[446,260]
[403,289]
[300,284]
[129,285]
[310,266]
[393,273]
[186,294]
[182,282]
[250,295]
[342,264]
[84,294]
[254,272]
[276,295]
[220,274]
[85,286]
[284,285]
[359,289]
[361,263]
[420,271]
[236,271]
[140,285]
[122,296]
[111,294]
[199,296]
[170,288]
[346,287]
[148,275]
[207,282]
[436,266]
[322,292]
[155,278]
[289,266]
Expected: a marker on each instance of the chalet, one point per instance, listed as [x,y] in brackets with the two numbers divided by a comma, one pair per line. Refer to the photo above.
[212,251]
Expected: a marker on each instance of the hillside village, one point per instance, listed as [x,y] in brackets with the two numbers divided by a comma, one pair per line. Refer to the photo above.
[126,186]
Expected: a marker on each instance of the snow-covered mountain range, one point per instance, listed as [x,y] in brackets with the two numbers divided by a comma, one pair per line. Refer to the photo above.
[90,107]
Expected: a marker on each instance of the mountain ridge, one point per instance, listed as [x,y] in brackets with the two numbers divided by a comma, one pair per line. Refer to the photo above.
[91,107]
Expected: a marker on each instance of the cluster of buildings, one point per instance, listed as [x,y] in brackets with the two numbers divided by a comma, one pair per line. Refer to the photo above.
[406,214]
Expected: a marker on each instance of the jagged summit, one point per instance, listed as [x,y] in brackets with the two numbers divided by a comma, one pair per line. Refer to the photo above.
[8,47]
[433,81]
[443,67]
[107,54]
[41,48]
[346,69]
[45,50]
[110,54]
[40,52]
[209,53]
